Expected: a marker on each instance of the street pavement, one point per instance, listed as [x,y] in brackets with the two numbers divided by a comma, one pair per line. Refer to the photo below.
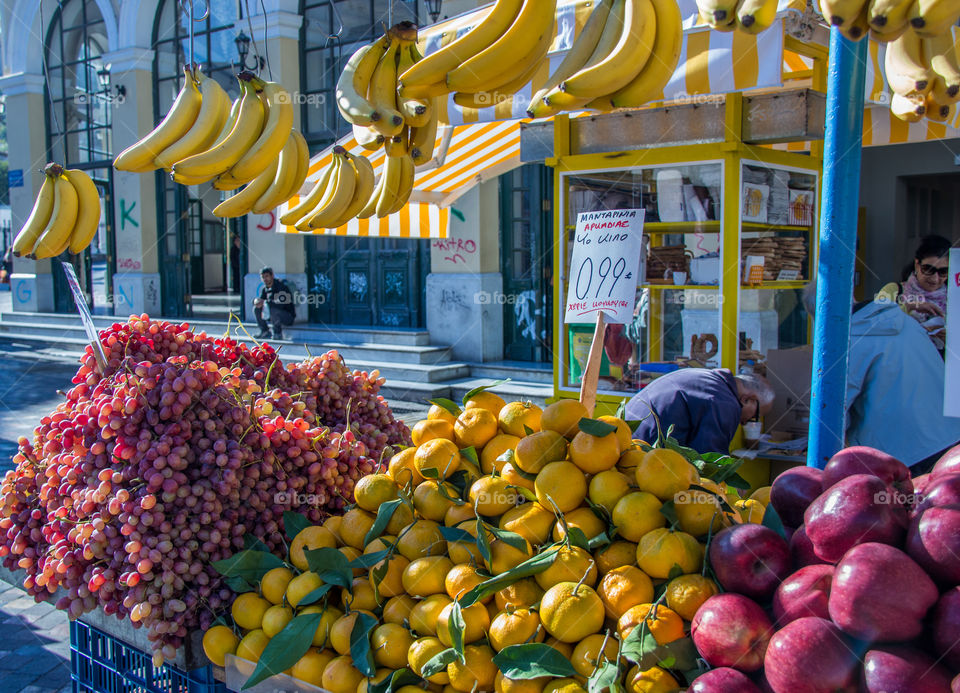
[35,638]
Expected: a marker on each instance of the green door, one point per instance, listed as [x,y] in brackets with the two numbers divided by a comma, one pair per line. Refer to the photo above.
[527,262]
[172,235]
[321,278]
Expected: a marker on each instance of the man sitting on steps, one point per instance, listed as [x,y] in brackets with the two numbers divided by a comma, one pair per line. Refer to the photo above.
[279,298]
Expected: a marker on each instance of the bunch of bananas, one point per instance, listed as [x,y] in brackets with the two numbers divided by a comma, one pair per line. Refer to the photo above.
[368,98]
[888,20]
[203,139]
[924,75]
[491,62]
[65,216]
[749,16]
[623,57]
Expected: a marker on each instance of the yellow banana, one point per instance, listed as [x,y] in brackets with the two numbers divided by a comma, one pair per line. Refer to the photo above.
[338,197]
[576,57]
[310,200]
[908,108]
[888,16]
[754,16]
[415,112]
[242,202]
[945,63]
[288,165]
[940,112]
[221,157]
[397,145]
[405,184]
[383,93]
[303,166]
[278,109]
[504,92]
[930,18]
[616,69]
[140,157]
[214,111]
[907,67]
[366,179]
[717,13]
[860,26]
[88,210]
[370,208]
[351,93]
[368,138]
[423,140]
[648,85]
[498,63]
[842,13]
[63,218]
[428,76]
[392,169]
[37,221]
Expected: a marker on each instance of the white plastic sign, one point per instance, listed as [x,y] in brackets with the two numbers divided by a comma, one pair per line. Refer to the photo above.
[85,317]
[603,267]
[951,394]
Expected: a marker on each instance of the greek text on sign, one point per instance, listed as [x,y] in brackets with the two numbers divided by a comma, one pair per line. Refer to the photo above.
[603,267]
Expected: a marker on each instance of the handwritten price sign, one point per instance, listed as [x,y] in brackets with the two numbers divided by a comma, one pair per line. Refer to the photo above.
[603,270]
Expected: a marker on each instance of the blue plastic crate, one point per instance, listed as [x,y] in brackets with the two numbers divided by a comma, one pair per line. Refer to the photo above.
[100,663]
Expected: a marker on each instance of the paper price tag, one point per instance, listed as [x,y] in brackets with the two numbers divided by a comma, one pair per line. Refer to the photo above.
[603,266]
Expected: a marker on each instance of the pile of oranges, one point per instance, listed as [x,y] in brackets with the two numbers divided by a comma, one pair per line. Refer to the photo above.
[621,528]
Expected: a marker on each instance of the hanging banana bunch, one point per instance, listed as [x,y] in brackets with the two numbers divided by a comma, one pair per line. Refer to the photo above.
[65,216]
[342,191]
[924,75]
[888,20]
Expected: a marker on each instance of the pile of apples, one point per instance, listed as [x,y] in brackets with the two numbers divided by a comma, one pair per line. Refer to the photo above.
[863,594]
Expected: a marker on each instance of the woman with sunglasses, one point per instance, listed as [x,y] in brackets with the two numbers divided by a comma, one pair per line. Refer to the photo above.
[923,294]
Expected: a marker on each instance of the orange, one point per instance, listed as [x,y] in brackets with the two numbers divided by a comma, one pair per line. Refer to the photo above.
[476,672]
[583,519]
[471,470]
[660,550]
[698,510]
[663,622]
[503,556]
[629,461]
[486,400]
[515,627]
[607,487]
[571,565]
[420,652]
[492,496]
[298,588]
[563,416]
[466,550]
[329,616]
[459,513]
[686,593]
[438,412]
[560,486]
[424,614]
[594,454]
[274,584]
[340,676]
[570,612]
[653,680]
[516,477]
[565,685]
[309,668]
[761,495]
[275,619]
[614,555]
[248,610]
[539,449]
[636,514]
[422,538]
[341,629]
[401,517]
[381,543]
[564,648]
[750,510]
[402,469]
[218,642]
[495,448]
[476,621]
[475,428]
[516,418]
[431,429]
[461,579]
[521,594]
[397,609]
[623,433]
[589,652]
[332,524]
[623,588]
[252,645]
[530,520]
[355,526]
[352,554]
[390,643]
[665,473]
[432,499]
[501,684]
[439,457]
[379,676]
[310,538]
[363,597]
[391,584]
[425,576]
[373,490]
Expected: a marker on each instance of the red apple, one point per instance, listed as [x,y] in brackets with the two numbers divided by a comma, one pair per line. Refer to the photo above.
[811,655]
[801,549]
[730,630]
[856,510]
[939,490]
[861,459]
[945,627]
[723,680]
[805,593]
[750,559]
[903,668]
[793,491]
[948,462]
[933,541]
[879,594]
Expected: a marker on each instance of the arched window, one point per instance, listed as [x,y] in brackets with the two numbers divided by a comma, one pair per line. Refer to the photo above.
[331,31]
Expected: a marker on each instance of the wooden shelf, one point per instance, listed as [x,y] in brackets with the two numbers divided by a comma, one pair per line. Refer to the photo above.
[754,226]
[680,287]
[682,227]
[799,284]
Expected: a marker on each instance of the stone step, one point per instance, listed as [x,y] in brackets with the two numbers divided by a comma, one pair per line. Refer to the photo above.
[515,370]
[535,392]
[220,300]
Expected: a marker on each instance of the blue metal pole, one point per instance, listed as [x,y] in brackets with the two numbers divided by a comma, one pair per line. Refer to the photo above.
[838,240]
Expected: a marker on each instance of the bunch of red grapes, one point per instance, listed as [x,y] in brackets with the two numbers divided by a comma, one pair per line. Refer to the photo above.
[167,461]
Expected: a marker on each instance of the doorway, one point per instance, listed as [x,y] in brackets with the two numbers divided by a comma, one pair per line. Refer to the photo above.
[933,207]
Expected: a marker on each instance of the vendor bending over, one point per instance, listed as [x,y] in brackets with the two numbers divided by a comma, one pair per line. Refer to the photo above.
[704,406]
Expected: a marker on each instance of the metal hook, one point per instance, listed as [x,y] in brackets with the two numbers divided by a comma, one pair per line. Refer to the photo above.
[202,18]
